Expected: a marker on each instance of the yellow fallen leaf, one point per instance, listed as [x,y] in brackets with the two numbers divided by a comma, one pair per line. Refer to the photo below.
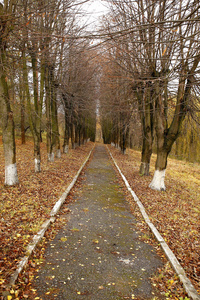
[9,297]
[101,287]
[95,241]
[63,239]
[78,293]
[74,229]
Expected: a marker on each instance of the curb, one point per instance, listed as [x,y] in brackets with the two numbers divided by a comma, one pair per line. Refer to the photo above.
[188,286]
[37,238]
[59,203]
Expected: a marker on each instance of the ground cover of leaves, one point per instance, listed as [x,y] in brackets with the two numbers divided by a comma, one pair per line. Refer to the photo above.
[175,213]
[26,206]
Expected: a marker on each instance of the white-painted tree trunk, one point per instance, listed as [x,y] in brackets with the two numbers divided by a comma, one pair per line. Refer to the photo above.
[11,177]
[58,153]
[37,165]
[66,148]
[158,182]
[51,157]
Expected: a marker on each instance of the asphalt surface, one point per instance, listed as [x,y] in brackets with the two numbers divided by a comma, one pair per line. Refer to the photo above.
[98,254]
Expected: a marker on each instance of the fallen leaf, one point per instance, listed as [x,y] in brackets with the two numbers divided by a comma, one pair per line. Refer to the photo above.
[63,239]
[95,241]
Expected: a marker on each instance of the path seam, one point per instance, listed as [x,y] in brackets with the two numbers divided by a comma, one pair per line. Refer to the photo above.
[188,286]
[37,238]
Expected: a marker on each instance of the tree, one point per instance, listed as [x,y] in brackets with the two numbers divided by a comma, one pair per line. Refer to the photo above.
[11,177]
[78,92]
[130,58]
[158,43]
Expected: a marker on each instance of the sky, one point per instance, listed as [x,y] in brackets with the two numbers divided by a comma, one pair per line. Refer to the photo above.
[93,11]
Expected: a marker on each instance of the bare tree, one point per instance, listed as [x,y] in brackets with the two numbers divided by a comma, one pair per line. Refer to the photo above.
[78,91]
[158,41]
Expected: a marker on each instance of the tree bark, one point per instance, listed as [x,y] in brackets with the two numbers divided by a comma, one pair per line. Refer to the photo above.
[34,120]
[48,114]
[145,105]
[67,123]
[22,112]
[167,136]
[11,177]
[55,139]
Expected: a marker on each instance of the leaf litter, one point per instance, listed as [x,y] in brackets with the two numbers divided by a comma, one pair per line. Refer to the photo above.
[24,210]
[26,206]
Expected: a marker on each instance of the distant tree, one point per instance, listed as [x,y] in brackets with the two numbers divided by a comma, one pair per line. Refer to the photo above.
[78,92]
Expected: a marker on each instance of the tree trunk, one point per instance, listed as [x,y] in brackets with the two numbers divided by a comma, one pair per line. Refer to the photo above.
[116,133]
[145,157]
[48,115]
[11,177]
[123,135]
[76,134]
[23,137]
[80,135]
[55,139]
[67,124]
[73,136]
[167,136]
[161,132]
[37,118]
[145,100]
[66,137]
[158,182]
[34,121]
[147,142]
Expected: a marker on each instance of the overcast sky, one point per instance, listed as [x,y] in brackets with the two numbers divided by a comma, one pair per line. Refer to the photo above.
[94,10]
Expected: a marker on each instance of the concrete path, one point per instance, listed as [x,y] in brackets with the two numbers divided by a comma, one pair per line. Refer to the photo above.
[97,255]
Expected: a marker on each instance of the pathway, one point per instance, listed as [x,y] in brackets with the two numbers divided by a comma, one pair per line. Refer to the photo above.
[97,255]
